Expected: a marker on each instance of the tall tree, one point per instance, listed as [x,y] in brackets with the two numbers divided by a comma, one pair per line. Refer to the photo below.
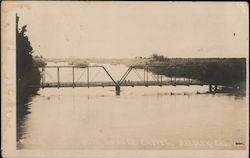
[26,73]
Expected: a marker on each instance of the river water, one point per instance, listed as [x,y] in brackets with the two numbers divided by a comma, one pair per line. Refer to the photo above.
[165,117]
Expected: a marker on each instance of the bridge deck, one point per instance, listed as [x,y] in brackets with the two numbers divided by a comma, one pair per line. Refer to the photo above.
[109,84]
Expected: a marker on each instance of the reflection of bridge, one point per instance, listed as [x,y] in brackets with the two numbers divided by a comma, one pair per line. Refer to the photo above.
[144,81]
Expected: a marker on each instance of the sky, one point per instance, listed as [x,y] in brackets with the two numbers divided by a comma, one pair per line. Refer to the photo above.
[130,29]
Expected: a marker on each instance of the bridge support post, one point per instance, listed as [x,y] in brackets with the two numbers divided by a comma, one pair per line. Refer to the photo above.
[147,75]
[161,80]
[43,77]
[88,76]
[58,77]
[175,75]
[210,88]
[73,75]
[117,90]
[144,75]
[215,88]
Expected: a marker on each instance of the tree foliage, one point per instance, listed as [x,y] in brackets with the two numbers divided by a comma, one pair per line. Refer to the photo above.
[226,71]
[27,73]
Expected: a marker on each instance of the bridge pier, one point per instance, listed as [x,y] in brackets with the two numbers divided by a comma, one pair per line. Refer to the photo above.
[210,88]
[58,77]
[117,90]
[213,88]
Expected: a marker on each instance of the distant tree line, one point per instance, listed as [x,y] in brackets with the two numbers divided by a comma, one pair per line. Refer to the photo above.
[223,71]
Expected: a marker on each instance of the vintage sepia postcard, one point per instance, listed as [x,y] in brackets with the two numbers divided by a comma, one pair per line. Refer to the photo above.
[124,79]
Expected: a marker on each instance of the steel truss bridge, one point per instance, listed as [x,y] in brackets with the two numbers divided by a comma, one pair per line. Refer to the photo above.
[143,81]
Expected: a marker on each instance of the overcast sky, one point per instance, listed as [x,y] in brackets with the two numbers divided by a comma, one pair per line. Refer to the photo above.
[129,29]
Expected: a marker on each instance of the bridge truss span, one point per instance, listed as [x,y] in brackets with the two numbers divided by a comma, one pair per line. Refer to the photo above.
[157,79]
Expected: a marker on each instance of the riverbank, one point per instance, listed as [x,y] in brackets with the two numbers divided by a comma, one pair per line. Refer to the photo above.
[145,60]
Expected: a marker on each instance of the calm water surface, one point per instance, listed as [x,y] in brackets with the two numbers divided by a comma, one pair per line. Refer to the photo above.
[140,118]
